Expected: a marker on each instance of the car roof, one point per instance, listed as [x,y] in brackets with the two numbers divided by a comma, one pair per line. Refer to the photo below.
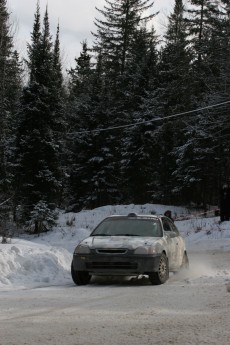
[135,216]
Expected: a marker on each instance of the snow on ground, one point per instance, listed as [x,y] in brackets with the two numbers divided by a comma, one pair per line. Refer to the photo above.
[30,261]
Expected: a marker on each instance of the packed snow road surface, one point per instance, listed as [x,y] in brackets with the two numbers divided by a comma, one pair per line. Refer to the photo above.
[191,308]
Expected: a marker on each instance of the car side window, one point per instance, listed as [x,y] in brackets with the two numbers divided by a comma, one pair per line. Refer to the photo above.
[174,229]
[169,226]
[166,225]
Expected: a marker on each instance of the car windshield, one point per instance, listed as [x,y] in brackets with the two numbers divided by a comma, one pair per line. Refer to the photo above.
[128,227]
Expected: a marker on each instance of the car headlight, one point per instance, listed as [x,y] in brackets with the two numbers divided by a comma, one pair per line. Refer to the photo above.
[82,249]
[144,250]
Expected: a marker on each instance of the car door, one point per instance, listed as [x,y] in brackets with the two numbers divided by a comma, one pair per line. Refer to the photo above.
[173,243]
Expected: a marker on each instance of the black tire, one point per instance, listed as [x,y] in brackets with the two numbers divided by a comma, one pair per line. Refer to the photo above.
[185,262]
[162,274]
[80,277]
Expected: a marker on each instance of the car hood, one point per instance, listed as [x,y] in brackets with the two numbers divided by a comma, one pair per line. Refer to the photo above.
[130,242]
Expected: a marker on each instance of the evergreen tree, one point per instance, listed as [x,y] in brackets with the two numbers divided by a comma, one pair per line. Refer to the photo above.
[117,40]
[175,78]
[202,161]
[116,37]
[201,27]
[219,119]
[10,87]
[91,182]
[5,54]
[79,108]
[57,107]
[174,96]
[38,176]
[138,142]
[115,33]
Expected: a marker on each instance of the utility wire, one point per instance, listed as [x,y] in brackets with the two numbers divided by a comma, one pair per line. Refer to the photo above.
[150,121]
[4,202]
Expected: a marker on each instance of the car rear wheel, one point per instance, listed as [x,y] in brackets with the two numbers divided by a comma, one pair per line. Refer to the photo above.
[185,262]
[80,277]
[162,274]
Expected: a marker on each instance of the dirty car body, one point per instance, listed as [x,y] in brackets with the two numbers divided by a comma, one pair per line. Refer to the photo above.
[130,245]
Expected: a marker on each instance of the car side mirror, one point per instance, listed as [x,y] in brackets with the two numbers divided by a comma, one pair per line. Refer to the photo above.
[171,234]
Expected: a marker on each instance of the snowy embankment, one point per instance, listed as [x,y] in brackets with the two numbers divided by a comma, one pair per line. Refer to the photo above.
[29,261]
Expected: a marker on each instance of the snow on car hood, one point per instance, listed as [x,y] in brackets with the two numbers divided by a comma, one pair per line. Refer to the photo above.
[129,242]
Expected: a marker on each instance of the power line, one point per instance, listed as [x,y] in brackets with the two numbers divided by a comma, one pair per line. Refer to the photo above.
[4,202]
[150,121]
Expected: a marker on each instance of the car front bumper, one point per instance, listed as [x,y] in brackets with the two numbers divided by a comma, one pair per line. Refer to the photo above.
[116,264]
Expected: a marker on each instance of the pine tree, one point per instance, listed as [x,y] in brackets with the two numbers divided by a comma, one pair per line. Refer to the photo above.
[175,64]
[219,121]
[79,110]
[138,144]
[118,35]
[202,160]
[10,88]
[116,31]
[201,27]
[174,96]
[6,45]
[216,120]
[5,54]
[38,176]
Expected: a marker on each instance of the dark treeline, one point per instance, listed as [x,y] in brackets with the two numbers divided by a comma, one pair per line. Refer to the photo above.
[108,136]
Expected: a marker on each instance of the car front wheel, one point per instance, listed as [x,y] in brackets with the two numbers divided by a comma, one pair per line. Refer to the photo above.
[80,277]
[162,274]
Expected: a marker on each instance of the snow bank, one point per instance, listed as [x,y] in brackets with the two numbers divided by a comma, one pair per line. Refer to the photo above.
[24,263]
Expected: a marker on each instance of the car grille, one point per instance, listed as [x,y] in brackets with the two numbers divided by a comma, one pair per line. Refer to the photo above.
[111,251]
[111,265]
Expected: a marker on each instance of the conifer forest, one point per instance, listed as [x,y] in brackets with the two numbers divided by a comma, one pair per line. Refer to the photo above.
[139,118]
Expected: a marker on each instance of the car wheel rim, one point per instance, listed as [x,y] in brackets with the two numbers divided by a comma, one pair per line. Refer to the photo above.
[162,268]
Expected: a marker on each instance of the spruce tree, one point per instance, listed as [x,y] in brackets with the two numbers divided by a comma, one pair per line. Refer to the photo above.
[6,46]
[79,109]
[138,144]
[174,96]
[119,33]
[202,160]
[175,78]
[201,23]
[38,180]
[10,88]
[115,32]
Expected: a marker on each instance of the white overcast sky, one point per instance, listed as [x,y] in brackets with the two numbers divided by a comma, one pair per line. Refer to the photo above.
[76,19]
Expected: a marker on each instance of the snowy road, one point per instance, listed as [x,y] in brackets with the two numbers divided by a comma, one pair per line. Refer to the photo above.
[192,309]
